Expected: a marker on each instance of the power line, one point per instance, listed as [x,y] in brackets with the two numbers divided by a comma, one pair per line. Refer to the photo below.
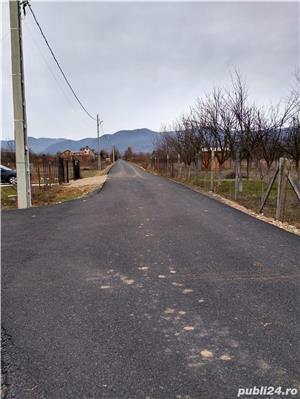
[60,68]
[102,128]
[47,65]
[50,69]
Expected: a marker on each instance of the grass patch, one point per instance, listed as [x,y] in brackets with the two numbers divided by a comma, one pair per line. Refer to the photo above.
[94,172]
[8,199]
[53,195]
[57,194]
[90,173]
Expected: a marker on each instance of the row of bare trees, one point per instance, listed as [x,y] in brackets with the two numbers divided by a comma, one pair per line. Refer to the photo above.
[226,121]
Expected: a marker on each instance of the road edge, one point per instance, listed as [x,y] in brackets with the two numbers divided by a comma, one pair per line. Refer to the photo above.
[232,204]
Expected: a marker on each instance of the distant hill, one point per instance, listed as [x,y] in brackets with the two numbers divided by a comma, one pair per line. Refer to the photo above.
[140,140]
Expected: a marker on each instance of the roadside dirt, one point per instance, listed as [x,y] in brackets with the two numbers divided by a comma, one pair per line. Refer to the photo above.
[69,191]
[88,182]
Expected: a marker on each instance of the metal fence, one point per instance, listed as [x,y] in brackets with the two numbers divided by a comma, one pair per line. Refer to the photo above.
[46,172]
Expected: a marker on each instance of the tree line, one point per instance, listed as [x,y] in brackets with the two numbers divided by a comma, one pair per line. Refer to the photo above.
[235,128]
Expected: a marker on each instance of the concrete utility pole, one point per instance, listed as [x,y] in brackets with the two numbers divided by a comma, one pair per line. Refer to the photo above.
[98,142]
[20,122]
[282,188]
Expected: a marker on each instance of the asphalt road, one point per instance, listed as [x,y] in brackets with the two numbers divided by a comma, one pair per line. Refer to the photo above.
[146,290]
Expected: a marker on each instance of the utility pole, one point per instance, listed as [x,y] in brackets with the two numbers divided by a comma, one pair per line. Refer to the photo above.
[20,122]
[98,142]
[113,154]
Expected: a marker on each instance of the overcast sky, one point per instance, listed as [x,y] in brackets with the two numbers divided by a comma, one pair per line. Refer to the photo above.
[141,64]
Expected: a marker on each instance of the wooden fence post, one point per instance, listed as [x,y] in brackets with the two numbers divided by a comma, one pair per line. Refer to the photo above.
[167,165]
[264,200]
[49,173]
[238,187]
[212,170]
[67,170]
[294,186]
[281,189]
[39,175]
[200,161]
[236,176]
[45,174]
[61,170]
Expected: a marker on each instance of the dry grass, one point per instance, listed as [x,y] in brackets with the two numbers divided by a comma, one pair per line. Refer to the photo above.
[58,194]
[8,197]
[94,172]
[92,180]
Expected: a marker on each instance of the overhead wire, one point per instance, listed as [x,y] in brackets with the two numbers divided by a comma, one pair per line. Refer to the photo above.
[58,64]
[55,78]
[107,136]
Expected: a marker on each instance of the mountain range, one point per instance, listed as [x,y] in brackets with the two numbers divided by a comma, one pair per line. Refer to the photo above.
[140,140]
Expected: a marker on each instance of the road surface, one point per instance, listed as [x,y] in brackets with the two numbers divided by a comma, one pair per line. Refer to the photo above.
[146,290]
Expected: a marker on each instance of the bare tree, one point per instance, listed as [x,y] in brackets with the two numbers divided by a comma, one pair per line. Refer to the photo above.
[128,154]
[291,136]
[216,126]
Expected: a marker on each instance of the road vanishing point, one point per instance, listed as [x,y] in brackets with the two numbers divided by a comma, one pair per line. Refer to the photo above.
[146,290]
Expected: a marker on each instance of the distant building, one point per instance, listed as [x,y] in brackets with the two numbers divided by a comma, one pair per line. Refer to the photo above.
[67,154]
[86,154]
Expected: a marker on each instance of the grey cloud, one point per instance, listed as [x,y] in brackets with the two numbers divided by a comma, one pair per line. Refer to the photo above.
[141,64]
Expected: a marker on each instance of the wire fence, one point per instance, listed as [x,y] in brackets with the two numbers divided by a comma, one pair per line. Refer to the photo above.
[250,191]
[47,172]
[48,175]
[50,172]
